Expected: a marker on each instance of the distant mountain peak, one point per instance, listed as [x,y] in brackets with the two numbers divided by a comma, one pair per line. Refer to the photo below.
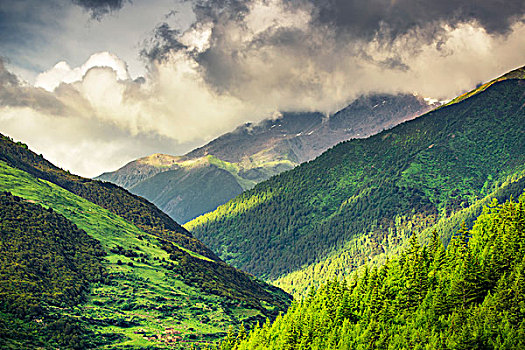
[159,160]
[254,152]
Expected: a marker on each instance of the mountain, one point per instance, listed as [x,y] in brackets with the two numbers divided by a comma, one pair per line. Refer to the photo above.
[87,264]
[361,199]
[190,185]
[469,296]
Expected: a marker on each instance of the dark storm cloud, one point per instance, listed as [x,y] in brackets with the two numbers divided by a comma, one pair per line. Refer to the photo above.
[340,27]
[366,18]
[164,40]
[99,8]
[380,19]
[221,10]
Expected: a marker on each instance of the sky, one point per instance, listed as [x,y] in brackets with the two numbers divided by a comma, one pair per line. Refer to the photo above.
[94,84]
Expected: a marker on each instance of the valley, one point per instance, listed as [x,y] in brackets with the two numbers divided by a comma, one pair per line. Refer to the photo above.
[362,199]
[153,292]
[262,175]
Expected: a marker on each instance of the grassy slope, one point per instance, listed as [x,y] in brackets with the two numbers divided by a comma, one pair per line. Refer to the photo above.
[117,200]
[422,170]
[143,300]
[45,261]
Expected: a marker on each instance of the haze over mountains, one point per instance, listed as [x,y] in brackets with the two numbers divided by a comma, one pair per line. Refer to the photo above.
[190,185]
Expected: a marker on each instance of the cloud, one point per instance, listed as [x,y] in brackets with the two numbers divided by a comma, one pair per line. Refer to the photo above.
[83,146]
[227,62]
[14,93]
[99,120]
[63,73]
[393,18]
[319,55]
[37,34]
[99,8]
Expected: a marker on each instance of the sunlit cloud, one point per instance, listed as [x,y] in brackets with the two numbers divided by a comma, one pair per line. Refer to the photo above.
[227,63]
[63,73]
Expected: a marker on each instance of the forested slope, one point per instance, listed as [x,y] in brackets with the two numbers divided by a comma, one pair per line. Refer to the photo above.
[188,192]
[340,264]
[468,296]
[148,290]
[381,188]
[45,260]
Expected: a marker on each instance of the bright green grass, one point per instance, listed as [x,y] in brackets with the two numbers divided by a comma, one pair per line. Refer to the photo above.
[143,300]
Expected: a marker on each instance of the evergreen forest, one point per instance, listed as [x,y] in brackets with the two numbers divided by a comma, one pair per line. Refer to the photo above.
[470,295]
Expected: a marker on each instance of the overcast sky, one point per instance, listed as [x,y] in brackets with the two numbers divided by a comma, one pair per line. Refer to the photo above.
[93,84]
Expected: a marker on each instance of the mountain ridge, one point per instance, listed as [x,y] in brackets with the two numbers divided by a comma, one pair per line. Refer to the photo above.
[255,152]
[151,270]
[422,169]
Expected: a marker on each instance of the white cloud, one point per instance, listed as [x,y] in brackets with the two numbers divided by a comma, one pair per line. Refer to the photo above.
[198,37]
[63,73]
[232,72]
[105,121]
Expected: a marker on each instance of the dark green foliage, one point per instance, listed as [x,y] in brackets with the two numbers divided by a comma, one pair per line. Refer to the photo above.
[471,296]
[44,258]
[132,208]
[423,170]
[46,262]
[220,279]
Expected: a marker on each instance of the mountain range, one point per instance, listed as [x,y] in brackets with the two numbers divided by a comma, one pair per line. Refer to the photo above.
[409,236]
[187,186]
[361,200]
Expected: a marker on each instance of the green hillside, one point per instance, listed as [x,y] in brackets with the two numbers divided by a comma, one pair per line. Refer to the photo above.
[469,296]
[117,200]
[342,263]
[45,262]
[154,292]
[366,196]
